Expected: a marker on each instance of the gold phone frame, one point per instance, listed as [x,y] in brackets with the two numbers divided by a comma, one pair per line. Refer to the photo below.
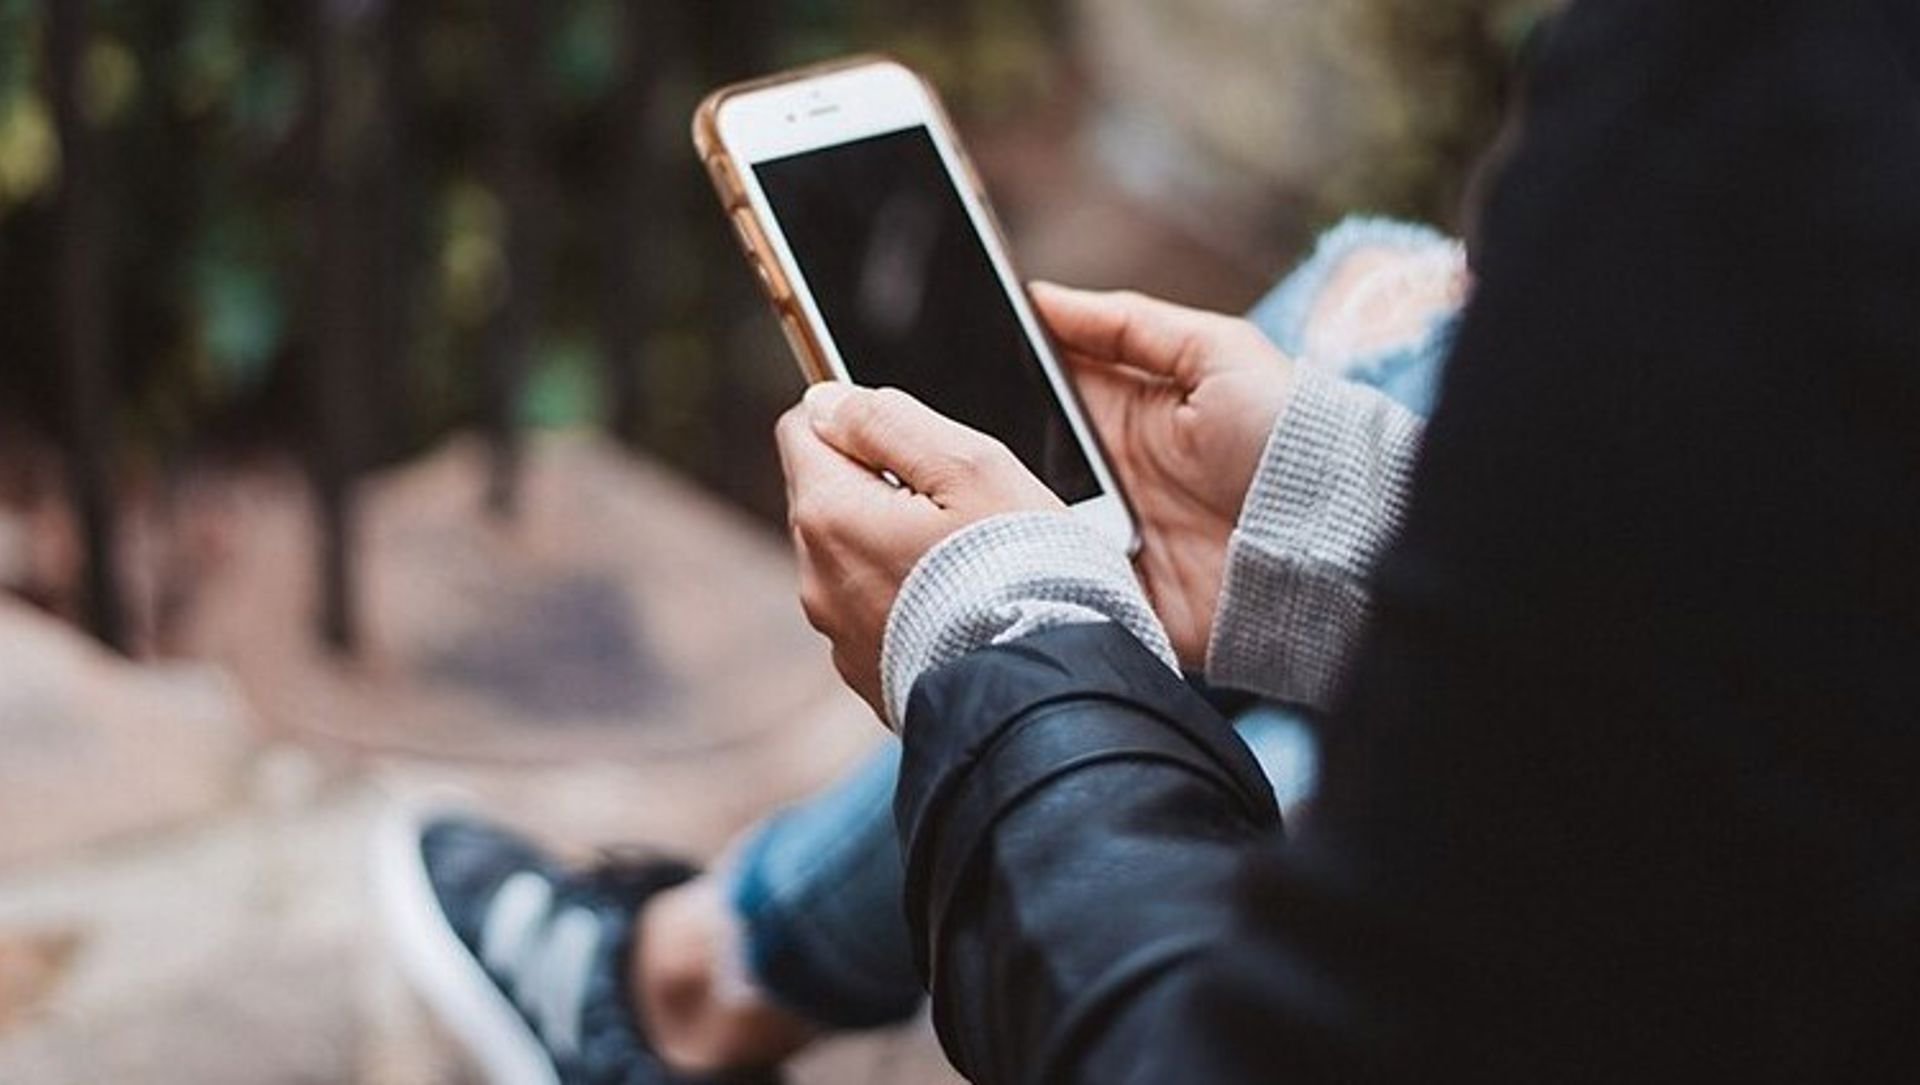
[807,348]
[724,172]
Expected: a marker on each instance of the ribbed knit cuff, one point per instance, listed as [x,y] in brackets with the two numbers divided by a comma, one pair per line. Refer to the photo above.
[1326,499]
[1004,578]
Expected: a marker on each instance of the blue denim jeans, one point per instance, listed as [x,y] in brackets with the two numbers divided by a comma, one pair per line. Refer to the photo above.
[817,887]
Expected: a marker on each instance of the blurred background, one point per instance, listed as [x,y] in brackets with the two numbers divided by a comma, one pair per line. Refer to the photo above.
[385,408]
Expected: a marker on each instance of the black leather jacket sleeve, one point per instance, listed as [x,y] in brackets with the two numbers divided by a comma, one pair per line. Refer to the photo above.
[1620,786]
[1072,824]
[1099,891]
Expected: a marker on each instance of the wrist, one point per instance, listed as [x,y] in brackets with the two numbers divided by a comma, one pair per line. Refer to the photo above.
[1002,578]
[1326,498]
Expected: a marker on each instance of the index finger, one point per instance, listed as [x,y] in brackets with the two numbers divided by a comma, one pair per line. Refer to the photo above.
[889,430]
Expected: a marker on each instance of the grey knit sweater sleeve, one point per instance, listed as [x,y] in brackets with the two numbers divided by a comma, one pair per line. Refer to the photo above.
[1327,497]
[1003,578]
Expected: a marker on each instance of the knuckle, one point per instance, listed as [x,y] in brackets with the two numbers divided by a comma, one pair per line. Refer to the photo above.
[814,604]
[861,411]
[889,410]
[890,401]
[967,461]
[950,466]
[812,537]
[803,513]
[983,456]
[971,460]
[816,516]
[1241,332]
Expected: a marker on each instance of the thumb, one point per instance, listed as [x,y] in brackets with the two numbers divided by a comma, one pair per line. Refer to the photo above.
[889,430]
[1122,327]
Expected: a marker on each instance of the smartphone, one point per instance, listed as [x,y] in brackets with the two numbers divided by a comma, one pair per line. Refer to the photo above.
[872,236]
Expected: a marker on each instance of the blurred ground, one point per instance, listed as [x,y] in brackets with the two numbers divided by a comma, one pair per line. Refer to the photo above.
[182,897]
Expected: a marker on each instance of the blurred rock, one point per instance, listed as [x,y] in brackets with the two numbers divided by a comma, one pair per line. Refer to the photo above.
[98,748]
[624,664]
[621,611]
[32,965]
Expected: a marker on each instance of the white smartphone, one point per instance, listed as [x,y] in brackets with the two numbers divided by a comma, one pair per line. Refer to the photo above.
[873,239]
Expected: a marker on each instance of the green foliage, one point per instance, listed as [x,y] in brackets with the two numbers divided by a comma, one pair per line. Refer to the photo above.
[565,388]
[584,59]
[240,301]
[29,151]
[205,111]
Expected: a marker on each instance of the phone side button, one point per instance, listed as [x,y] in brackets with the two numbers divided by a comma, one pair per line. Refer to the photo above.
[797,342]
[725,179]
[744,229]
[775,290]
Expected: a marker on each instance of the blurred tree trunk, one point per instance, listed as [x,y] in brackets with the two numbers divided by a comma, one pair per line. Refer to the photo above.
[335,314]
[635,209]
[739,36]
[83,317]
[393,240]
[519,33]
[958,26]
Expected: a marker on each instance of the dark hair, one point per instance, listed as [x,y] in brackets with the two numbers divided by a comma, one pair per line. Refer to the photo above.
[1530,45]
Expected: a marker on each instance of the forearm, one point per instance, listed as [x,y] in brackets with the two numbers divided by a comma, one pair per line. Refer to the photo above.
[1073,815]
[1328,496]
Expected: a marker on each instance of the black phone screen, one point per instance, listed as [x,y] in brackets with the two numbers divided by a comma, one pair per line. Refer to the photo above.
[911,299]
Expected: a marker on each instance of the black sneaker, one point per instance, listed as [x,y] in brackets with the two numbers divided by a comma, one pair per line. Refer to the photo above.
[525,962]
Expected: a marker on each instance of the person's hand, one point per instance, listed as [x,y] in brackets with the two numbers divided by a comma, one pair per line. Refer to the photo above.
[1184,401]
[857,534]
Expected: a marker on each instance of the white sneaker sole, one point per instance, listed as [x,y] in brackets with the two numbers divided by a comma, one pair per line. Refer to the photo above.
[440,967]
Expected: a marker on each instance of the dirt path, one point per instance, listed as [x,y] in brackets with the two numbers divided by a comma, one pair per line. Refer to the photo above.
[183,898]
